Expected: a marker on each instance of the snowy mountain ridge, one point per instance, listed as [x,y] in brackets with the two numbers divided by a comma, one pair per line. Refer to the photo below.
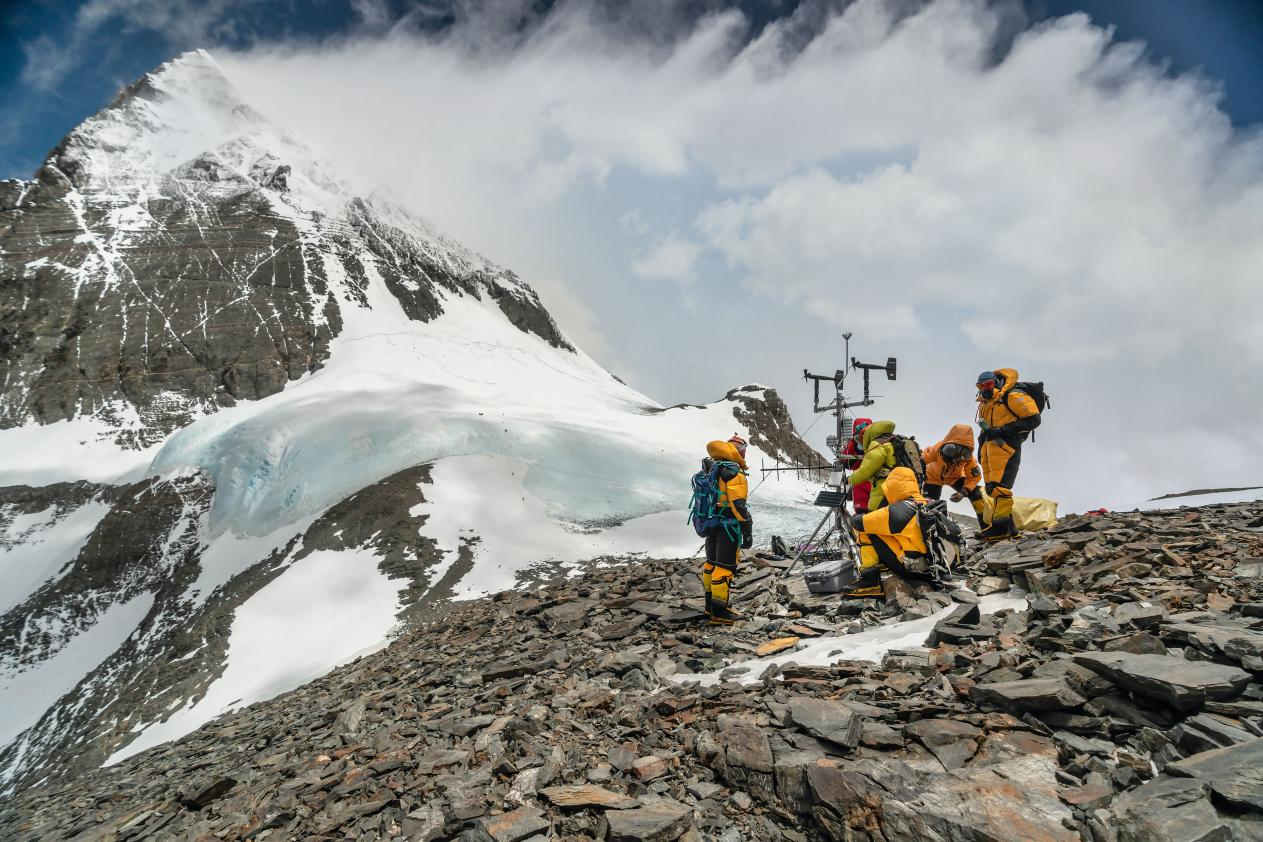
[256,425]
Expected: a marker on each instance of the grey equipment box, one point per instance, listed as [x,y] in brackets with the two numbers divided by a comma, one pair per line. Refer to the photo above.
[830,576]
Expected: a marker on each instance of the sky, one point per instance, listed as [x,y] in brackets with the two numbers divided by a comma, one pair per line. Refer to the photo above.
[708,194]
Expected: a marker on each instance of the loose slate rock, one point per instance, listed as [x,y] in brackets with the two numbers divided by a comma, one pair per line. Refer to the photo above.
[1088,797]
[513,826]
[1028,694]
[650,767]
[780,644]
[952,742]
[203,793]
[585,795]
[827,720]
[660,822]
[1170,809]
[1185,685]
[1234,773]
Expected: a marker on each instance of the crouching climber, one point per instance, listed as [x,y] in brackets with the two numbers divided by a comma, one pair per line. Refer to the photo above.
[951,462]
[889,535]
[731,532]
[879,459]
[1006,417]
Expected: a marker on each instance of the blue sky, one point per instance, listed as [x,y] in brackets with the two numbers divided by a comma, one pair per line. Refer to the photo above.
[708,200]
[1220,38]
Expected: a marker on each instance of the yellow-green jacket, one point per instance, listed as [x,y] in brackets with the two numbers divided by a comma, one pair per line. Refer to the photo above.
[878,461]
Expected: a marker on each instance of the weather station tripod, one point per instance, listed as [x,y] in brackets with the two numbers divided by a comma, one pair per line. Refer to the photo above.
[833,498]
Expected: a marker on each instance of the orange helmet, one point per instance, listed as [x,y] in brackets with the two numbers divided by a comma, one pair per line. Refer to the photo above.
[738,442]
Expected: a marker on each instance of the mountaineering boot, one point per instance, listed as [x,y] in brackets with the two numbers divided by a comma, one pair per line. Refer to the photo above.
[867,586]
[980,510]
[1002,525]
[1000,529]
[721,614]
[706,585]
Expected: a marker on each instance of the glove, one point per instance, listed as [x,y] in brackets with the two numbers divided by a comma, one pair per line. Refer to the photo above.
[1008,434]
[958,496]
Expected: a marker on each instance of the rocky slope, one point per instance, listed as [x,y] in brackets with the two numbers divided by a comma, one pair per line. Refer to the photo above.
[1124,702]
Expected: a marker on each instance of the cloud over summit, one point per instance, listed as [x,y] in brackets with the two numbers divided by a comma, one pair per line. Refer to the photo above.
[931,174]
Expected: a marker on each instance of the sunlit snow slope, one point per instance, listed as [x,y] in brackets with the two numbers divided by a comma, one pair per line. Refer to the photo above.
[265,422]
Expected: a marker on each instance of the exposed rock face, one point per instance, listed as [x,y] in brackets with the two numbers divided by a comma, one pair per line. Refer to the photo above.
[771,427]
[177,253]
[559,729]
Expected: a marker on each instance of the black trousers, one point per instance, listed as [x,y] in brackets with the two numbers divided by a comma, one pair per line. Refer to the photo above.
[721,549]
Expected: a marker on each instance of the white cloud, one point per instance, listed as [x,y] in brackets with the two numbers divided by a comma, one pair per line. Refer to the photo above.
[574,317]
[1069,208]
[184,23]
[672,258]
[374,15]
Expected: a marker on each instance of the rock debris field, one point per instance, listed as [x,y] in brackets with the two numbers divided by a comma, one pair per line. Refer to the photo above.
[1125,702]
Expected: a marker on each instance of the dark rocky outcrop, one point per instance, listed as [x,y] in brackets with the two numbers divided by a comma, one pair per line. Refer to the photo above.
[149,544]
[765,414]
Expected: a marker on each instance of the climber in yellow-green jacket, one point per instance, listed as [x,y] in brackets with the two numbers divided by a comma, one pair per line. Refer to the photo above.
[878,461]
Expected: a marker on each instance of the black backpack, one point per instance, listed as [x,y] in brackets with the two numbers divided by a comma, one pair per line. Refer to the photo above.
[908,455]
[1034,389]
[938,529]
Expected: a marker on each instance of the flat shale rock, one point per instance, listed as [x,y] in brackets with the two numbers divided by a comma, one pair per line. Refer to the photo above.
[1028,694]
[1185,685]
[513,826]
[953,743]
[661,822]
[1234,773]
[583,795]
[899,805]
[201,794]
[648,768]
[779,644]
[827,720]
[1171,810]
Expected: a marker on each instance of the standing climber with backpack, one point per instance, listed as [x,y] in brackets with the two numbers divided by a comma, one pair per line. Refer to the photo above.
[719,512]
[883,452]
[1008,412]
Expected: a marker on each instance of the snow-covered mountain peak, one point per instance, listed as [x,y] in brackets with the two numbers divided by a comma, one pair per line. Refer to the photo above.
[194,254]
[163,120]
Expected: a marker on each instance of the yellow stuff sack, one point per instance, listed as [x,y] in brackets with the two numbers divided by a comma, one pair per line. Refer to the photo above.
[1029,513]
